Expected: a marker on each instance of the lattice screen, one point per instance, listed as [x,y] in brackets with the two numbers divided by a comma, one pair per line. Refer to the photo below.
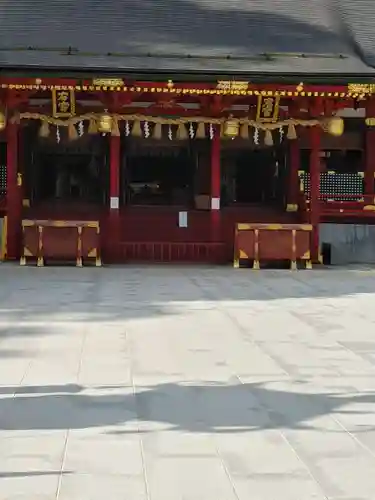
[3,180]
[337,187]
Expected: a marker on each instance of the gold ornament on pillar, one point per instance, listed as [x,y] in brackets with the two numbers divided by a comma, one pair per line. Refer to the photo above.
[335,126]
[231,128]
[3,120]
[105,123]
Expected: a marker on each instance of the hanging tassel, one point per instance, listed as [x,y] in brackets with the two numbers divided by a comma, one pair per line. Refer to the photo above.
[158,131]
[191,131]
[72,132]
[201,131]
[268,139]
[58,136]
[127,128]
[146,129]
[182,133]
[137,129]
[292,134]
[115,131]
[93,128]
[244,131]
[256,136]
[44,129]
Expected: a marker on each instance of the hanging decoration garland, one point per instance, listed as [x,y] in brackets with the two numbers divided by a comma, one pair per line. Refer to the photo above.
[193,127]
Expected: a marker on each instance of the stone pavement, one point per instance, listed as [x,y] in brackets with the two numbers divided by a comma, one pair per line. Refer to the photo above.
[167,383]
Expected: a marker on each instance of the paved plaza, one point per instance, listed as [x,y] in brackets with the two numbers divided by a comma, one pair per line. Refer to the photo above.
[189,383]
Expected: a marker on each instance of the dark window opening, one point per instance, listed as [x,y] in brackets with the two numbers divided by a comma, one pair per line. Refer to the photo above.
[254,176]
[160,179]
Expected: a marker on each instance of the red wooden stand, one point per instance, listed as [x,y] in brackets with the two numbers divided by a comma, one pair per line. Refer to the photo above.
[60,241]
[272,242]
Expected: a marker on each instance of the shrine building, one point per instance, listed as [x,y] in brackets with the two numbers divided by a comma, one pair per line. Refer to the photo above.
[187,131]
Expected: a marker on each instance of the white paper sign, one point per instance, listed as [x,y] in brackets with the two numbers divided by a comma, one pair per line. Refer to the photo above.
[182,219]
[114,202]
[215,203]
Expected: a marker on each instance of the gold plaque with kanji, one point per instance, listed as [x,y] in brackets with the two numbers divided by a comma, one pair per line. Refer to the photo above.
[63,103]
[268,109]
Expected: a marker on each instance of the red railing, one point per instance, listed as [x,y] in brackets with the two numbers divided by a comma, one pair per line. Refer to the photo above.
[173,252]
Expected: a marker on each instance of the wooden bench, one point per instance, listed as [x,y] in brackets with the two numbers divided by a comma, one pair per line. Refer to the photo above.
[60,240]
[256,243]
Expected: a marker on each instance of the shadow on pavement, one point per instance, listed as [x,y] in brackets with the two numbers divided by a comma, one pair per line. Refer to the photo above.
[206,408]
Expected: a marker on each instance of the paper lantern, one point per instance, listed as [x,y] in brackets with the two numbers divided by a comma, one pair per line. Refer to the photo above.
[231,128]
[105,123]
[335,126]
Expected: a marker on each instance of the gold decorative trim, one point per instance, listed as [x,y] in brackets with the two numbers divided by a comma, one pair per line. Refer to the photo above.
[27,223]
[223,88]
[108,82]
[292,207]
[92,253]
[243,255]
[27,253]
[361,88]
[243,227]
[63,103]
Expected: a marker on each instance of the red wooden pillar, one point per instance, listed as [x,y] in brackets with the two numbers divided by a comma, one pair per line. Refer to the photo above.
[215,187]
[113,239]
[315,134]
[293,180]
[370,151]
[14,196]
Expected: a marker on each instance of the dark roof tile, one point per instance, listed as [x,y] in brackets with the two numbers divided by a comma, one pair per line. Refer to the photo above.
[159,35]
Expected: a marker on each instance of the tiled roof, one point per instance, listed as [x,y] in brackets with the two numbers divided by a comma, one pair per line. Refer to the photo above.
[205,36]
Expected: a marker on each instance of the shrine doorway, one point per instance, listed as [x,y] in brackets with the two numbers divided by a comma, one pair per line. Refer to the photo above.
[65,173]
